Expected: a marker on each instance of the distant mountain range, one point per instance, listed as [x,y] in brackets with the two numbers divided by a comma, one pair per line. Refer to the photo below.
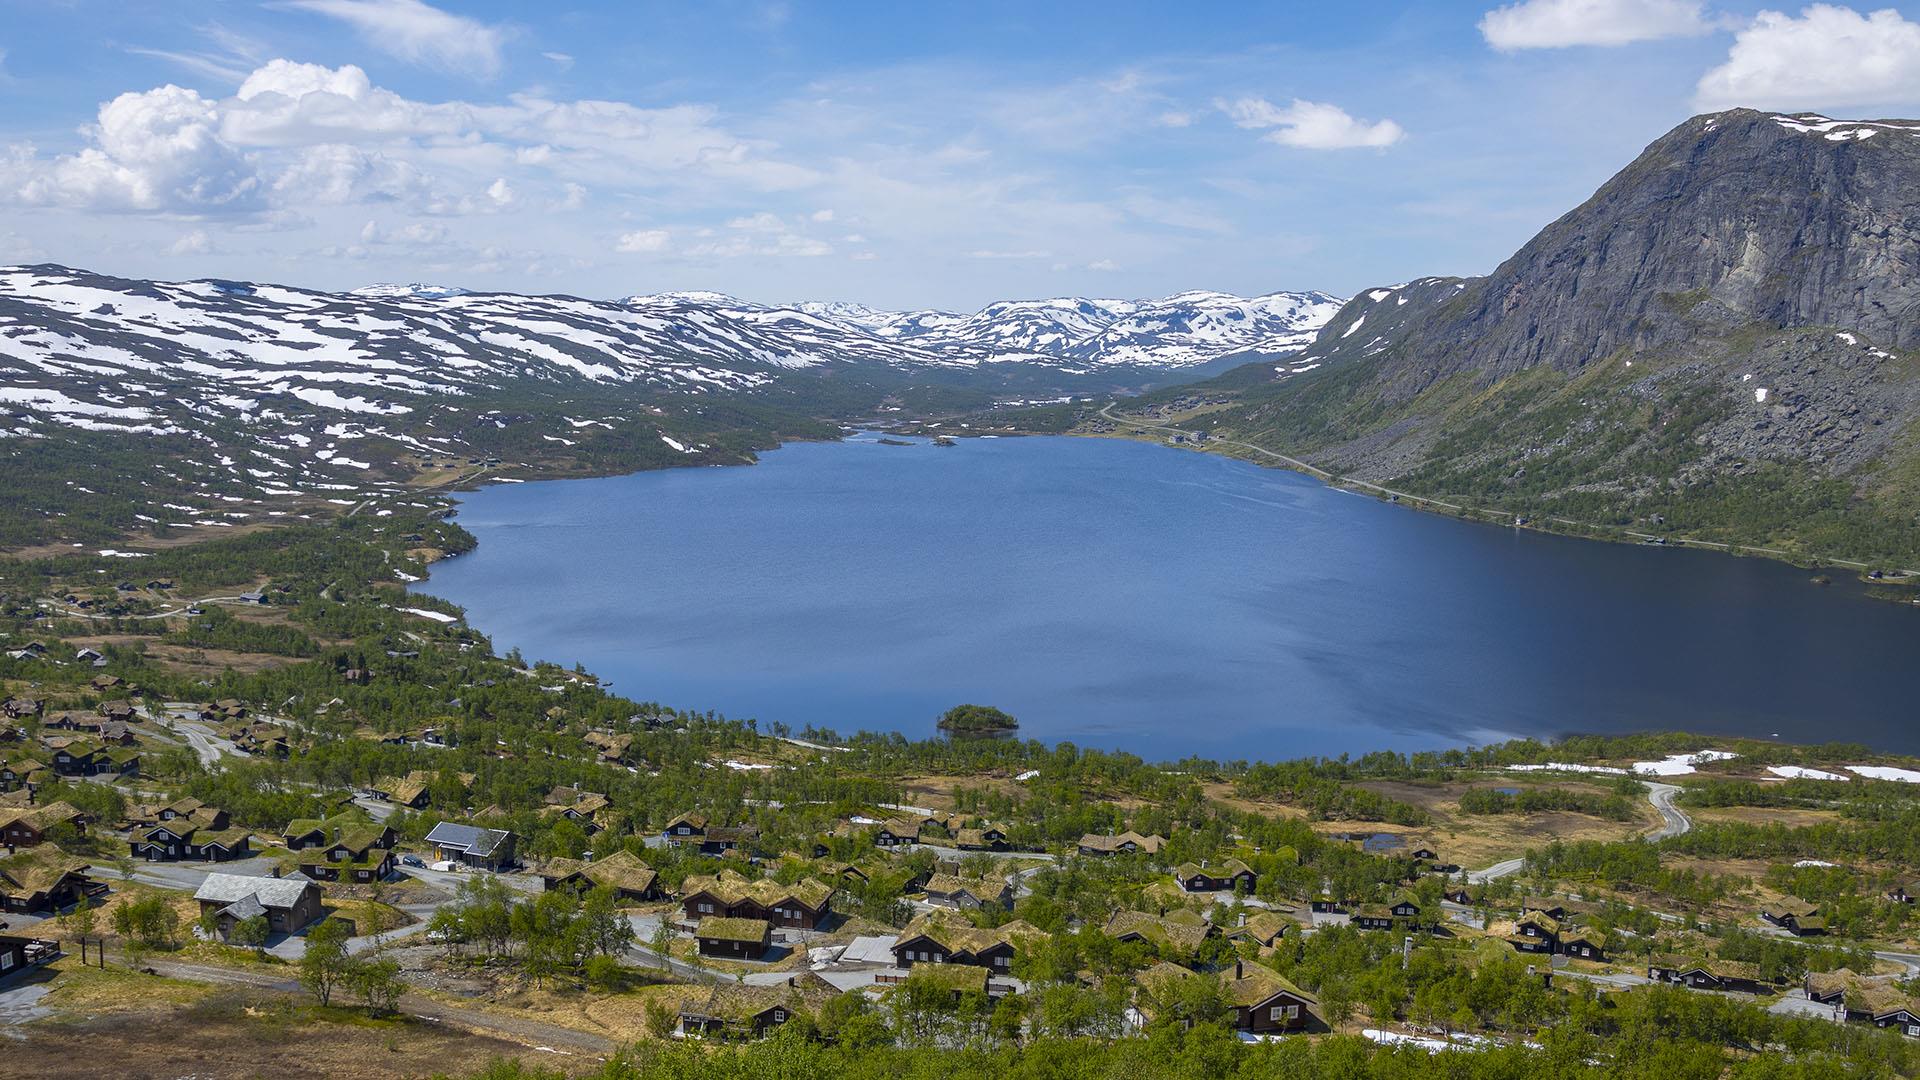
[273,390]
[1723,341]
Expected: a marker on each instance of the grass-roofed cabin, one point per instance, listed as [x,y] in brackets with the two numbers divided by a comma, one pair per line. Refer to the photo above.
[734,939]
[949,982]
[631,880]
[749,1012]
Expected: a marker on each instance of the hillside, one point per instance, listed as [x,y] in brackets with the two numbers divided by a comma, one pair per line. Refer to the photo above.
[1723,342]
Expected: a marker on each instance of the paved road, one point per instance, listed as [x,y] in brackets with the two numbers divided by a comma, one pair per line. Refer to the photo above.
[1674,822]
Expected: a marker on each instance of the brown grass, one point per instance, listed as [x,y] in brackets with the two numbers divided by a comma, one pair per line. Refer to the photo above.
[141,1027]
[1478,840]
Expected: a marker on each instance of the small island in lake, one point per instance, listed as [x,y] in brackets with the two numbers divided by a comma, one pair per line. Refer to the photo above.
[977,720]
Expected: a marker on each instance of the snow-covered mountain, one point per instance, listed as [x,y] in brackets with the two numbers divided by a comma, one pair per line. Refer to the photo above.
[93,351]
[255,399]
[1184,330]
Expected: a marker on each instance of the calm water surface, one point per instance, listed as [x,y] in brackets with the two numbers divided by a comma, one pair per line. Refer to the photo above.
[1124,595]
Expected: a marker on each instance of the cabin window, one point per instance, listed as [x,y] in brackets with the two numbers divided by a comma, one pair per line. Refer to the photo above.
[779,1016]
[706,907]
[6,961]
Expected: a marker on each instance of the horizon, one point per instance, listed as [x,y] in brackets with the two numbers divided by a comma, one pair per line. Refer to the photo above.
[930,160]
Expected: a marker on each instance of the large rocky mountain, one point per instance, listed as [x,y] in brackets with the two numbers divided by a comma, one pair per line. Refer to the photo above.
[1723,340]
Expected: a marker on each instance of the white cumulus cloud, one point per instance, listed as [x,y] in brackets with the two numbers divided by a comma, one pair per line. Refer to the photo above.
[157,150]
[643,241]
[1828,57]
[1310,125]
[1555,24]
[418,33]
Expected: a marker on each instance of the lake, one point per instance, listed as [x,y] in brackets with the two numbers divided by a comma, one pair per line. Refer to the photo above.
[1169,603]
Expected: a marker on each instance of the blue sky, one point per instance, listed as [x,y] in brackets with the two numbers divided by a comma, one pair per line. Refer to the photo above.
[938,155]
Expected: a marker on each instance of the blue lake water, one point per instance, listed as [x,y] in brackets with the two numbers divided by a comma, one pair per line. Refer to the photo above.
[1129,596]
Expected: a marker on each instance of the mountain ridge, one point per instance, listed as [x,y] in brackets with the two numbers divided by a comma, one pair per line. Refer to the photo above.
[1724,340]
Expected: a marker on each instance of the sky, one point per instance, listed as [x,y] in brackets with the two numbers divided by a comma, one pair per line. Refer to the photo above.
[937,155]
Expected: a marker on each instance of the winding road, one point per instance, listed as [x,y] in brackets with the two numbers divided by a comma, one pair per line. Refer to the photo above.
[1674,822]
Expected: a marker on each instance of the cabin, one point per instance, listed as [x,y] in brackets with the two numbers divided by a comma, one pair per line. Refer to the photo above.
[344,847]
[1373,917]
[942,937]
[1264,1001]
[804,905]
[24,773]
[631,880]
[1328,905]
[954,981]
[25,827]
[1795,916]
[1535,932]
[1180,931]
[733,939]
[44,881]
[19,954]
[203,835]
[896,832]
[409,791]
[1722,975]
[694,830]
[583,810]
[288,904]
[982,839]
[1126,843]
[482,849]
[744,1011]
[1265,929]
[1404,905]
[1905,892]
[954,891]
[87,757]
[1459,894]
[22,707]
[1585,944]
[1231,876]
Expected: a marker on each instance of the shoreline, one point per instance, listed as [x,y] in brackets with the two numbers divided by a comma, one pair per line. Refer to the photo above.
[1908,578]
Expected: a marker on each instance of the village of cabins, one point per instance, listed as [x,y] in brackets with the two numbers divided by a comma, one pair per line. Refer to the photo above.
[763,932]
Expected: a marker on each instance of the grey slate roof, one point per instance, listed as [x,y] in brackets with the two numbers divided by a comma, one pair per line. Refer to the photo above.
[271,892]
[247,907]
[468,838]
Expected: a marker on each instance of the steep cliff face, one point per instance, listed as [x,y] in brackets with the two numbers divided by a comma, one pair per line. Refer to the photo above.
[1738,308]
[1787,221]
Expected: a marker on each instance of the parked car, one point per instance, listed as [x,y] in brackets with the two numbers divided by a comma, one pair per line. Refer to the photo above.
[412,860]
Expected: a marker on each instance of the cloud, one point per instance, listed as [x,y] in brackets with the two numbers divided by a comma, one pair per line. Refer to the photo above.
[500,192]
[1103,265]
[418,33]
[1829,57]
[989,253]
[192,243]
[1555,24]
[645,241]
[1310,125]
[562,60]
[1174,119]
[159,150]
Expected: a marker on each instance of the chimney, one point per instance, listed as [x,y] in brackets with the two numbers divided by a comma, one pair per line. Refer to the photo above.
[1238,966]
